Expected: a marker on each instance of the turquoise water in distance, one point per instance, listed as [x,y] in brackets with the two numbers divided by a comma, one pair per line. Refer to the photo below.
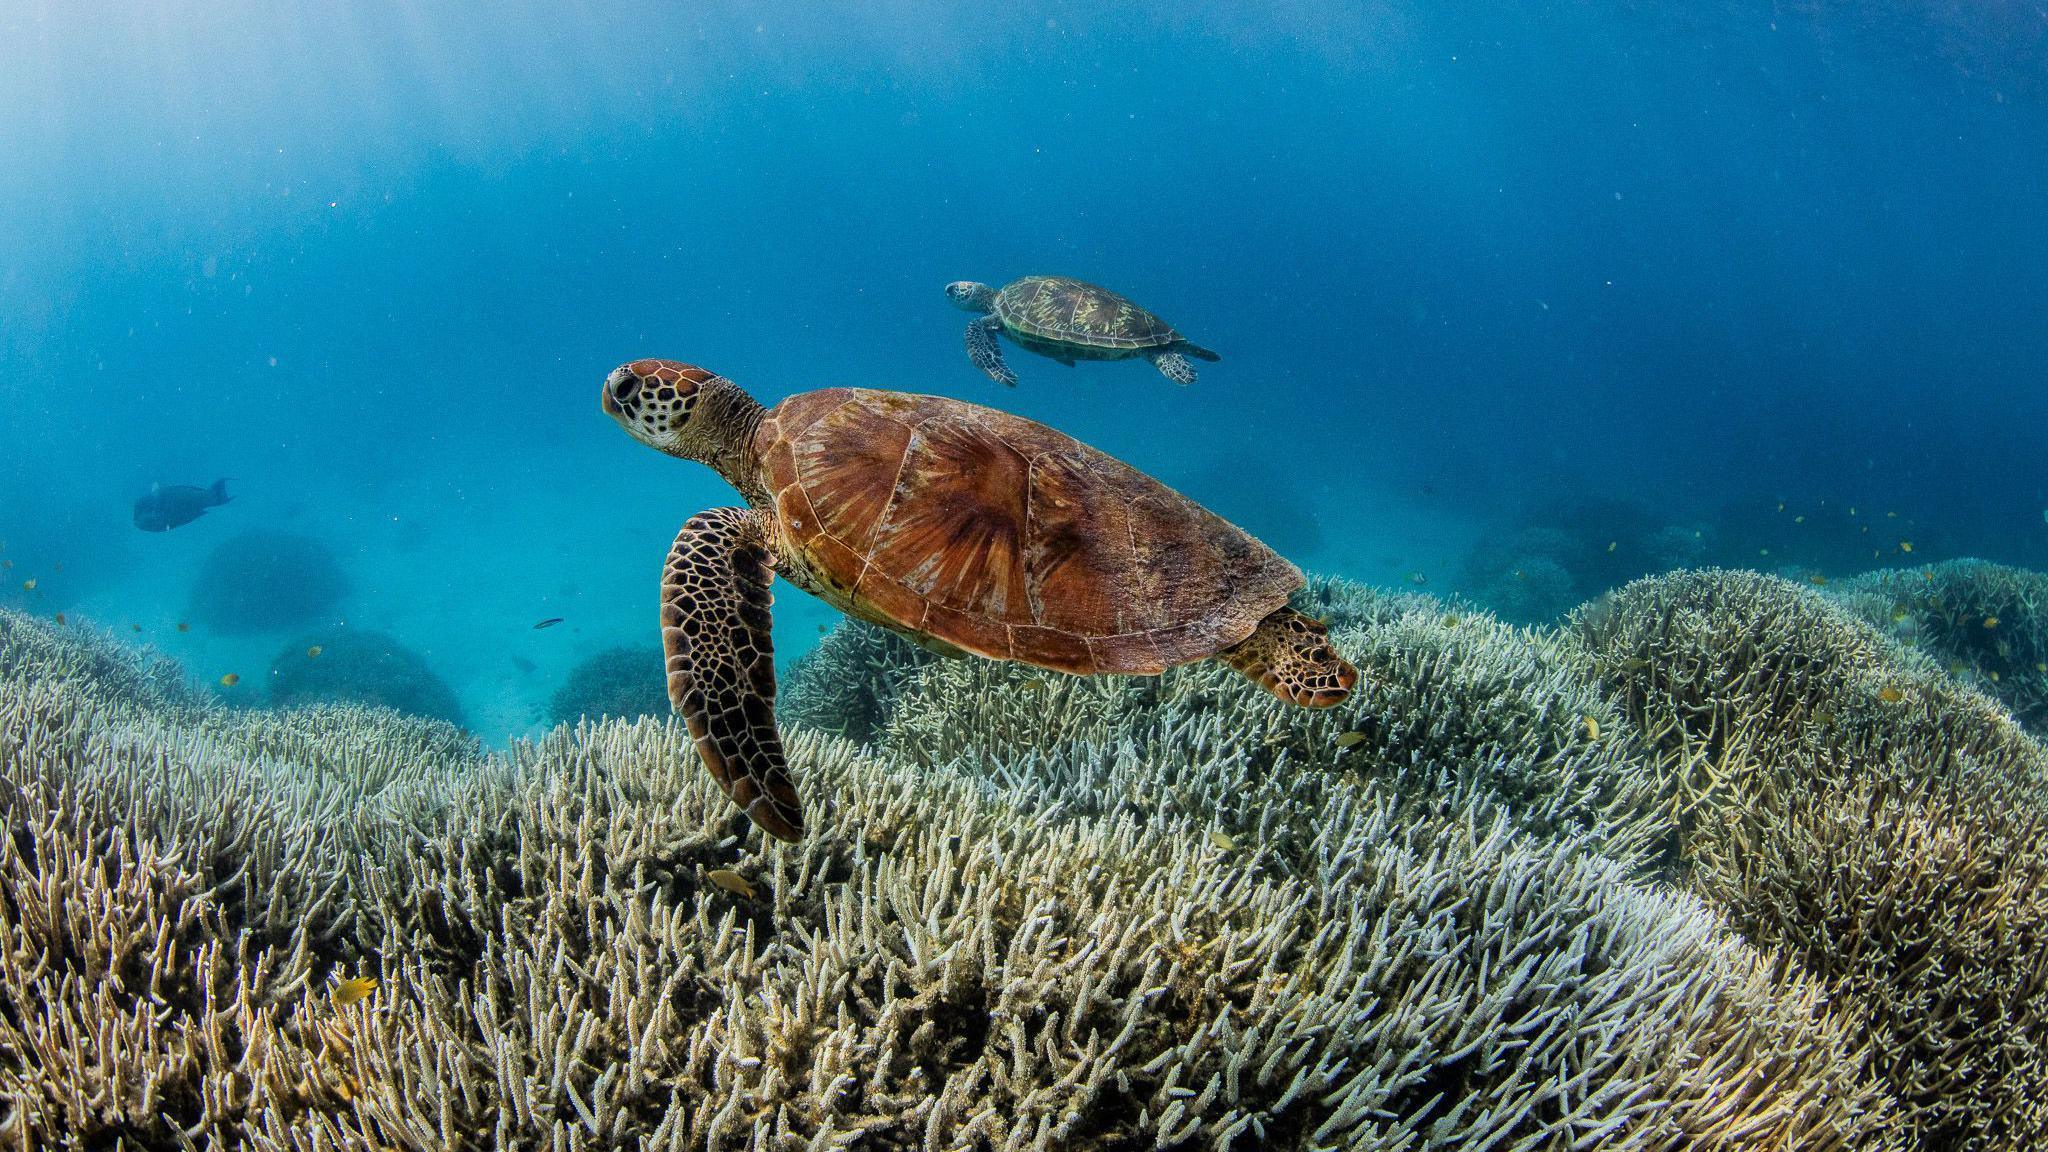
[1514,301]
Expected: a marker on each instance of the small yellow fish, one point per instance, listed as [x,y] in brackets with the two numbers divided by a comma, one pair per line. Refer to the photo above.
[1781,505]
[1763,551]
[1592,728]
[1899,616]
[1905,545]
[1799,519]
[230,680]
[353,990]
[1994,677]
[1817,580]
[313,652]
[1350,739]
[28,585]
[732,882]
[1222,839]
[1891,515]
[1613,544]
[1890,695]
[2041,665]
[1852,511]
[184,627]
[1991,621]
[1450,621]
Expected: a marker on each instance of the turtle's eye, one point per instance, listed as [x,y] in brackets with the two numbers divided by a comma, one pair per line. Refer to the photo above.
[625,388]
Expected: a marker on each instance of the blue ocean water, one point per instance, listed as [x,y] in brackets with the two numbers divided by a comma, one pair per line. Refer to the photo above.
[1582,290]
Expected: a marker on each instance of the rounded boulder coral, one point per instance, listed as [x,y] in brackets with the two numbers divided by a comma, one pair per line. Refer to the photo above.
[360,666]
[266,581]
[624,682]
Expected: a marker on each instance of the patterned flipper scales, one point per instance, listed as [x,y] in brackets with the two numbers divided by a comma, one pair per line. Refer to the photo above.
[1174,367]
[721,665]
[986,353]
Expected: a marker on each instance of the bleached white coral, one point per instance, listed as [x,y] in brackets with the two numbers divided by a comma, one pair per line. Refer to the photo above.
[944,963]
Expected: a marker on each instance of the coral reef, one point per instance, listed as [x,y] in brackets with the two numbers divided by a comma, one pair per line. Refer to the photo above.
[1873,821]
[624,682]
[1454,709]
[360,666]
[266,581]
[848,684]
[1985,623]
[955,958]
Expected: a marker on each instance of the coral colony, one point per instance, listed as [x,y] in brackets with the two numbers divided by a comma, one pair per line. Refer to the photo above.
[1717,863]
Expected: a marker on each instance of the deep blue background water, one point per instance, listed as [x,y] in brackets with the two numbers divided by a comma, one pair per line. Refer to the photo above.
[1470,268]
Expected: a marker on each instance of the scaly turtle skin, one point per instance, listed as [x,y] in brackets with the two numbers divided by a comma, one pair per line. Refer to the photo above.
[1068,320]
[969,530]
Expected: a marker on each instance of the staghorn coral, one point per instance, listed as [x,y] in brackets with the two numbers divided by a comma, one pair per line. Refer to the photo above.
[849,682]
[361,666]
[623,682]
[1986,622]
[1881,824]
[1452,708]
[265,580]
[941,965]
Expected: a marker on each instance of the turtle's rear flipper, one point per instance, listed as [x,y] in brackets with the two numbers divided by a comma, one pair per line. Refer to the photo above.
[986,353]
[1290,656]
[721,666]
[1174,367]
[1197,351]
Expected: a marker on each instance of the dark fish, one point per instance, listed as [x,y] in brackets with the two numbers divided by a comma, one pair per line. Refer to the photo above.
[526,667]
[175,505]
[550,622]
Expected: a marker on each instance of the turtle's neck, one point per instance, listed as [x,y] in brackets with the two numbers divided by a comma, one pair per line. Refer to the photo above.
[721,435]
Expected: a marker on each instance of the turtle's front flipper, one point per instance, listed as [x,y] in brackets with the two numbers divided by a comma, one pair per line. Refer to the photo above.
[721,667]
[1174,367]
[986,353]
[1290,656]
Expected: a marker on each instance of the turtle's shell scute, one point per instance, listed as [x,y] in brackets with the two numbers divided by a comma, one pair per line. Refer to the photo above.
[1008,539]
[1065,310]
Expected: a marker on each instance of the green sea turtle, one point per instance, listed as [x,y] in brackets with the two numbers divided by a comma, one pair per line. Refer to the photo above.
[969,530]
[1068,320]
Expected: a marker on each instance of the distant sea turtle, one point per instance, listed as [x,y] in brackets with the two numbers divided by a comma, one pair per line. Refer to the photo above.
[1068,320]
[970,531]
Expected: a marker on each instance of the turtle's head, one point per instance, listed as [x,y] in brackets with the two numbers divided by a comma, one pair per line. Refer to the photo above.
[969,296]
[653,399]
[686,411]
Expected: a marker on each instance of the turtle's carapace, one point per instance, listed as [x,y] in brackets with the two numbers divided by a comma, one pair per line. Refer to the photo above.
[968,530]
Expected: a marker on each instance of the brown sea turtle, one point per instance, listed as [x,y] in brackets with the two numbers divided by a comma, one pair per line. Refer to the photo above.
[1068,320]
[970,531]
